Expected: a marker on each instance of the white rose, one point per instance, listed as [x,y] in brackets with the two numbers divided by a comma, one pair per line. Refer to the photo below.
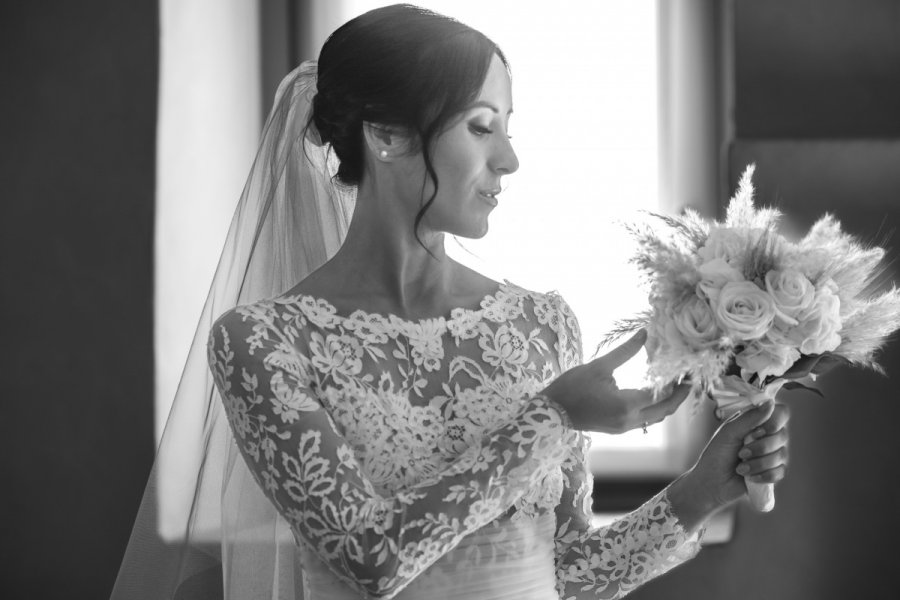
[819,325]
[697,323]
[767,357]
[792,293]
[714,275]
[744,311]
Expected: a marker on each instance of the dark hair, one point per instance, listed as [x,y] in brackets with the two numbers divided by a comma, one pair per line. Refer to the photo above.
[399,65]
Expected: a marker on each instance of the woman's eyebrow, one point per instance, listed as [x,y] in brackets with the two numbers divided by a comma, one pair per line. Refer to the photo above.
[485,104]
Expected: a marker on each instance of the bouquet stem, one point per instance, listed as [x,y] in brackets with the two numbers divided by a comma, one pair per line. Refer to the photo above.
[762,495]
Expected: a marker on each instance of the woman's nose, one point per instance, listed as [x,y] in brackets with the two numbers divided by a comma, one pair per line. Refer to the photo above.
[504,160]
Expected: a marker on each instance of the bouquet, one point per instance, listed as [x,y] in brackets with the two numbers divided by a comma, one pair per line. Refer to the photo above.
[741,312]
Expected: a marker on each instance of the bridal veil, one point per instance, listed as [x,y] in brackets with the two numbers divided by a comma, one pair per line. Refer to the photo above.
[204,529]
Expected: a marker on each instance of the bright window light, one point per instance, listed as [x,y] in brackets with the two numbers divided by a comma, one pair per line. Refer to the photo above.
[585,130]
[585,127]
[208,131]
[207,134]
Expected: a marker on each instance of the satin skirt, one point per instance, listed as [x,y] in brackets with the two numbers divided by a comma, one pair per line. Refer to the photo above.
[506,560]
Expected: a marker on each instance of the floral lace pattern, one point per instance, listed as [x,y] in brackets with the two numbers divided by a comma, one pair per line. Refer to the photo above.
[611,561]
[384,442]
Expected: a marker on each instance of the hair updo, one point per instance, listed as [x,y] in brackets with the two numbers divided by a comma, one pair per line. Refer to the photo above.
[400,65]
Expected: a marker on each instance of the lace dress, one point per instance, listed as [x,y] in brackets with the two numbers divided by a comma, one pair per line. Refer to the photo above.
[418,459]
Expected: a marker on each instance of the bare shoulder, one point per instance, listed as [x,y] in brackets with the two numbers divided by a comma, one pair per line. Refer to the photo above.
[324,281]
[333,285]
[471,286]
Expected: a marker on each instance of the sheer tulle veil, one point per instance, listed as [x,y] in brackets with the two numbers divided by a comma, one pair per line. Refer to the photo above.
[204,529]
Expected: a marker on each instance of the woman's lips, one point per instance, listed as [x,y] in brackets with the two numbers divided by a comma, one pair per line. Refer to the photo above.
[489,196]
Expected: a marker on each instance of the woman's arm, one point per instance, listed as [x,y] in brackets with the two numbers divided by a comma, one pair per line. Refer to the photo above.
[610,561]
[376,543]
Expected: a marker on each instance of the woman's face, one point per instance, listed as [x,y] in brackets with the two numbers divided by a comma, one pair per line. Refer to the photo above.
[470,157]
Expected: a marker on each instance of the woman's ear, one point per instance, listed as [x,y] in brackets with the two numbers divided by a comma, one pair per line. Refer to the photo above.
[386,142]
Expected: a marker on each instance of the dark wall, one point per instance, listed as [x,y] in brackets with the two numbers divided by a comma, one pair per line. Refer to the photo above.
[77,124]
[817,91]
[817,68]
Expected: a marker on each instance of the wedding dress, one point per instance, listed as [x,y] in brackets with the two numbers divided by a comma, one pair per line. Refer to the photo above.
[381,457]
[418,459]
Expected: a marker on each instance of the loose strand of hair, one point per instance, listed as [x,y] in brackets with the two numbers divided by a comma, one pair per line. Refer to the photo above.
[430,172]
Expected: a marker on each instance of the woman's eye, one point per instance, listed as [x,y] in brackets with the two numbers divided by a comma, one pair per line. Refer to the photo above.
[479,130]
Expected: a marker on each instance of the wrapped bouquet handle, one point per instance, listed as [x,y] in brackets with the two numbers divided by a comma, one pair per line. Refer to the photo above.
[733,398]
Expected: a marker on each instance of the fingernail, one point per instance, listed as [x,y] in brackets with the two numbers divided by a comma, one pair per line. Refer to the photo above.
[745,453]
[742,469]
[759,432]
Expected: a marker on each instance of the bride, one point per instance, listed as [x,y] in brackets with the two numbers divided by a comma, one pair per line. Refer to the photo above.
[399,425]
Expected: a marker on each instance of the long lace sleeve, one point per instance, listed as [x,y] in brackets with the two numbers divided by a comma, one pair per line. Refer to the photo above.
[375,541]
[608,562]
[611,561]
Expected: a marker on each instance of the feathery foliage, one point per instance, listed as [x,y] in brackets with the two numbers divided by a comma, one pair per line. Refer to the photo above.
[738,297]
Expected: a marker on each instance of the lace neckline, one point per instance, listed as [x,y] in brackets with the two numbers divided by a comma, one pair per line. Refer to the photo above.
[312,304]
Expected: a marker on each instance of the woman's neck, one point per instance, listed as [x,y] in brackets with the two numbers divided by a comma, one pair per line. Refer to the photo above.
[382,261]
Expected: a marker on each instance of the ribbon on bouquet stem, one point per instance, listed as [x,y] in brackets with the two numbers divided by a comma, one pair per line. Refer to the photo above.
[734,397]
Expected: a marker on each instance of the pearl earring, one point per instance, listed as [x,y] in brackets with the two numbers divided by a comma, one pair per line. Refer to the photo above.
[384,154]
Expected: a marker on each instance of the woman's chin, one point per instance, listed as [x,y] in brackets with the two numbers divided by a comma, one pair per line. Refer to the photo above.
[472,229]
[474,232]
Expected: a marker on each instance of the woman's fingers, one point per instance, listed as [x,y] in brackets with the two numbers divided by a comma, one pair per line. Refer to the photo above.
[637,407]
[767,462]
[747,426]
[636,399]
[765,445]
[654,412]
[771,476]
[619,355]
[778,420]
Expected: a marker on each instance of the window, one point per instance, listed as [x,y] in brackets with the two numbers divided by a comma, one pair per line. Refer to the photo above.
[585,88]
[207,132]
[585,81]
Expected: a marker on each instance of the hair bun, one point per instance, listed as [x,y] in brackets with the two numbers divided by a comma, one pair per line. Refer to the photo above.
[320,119]
[341,127]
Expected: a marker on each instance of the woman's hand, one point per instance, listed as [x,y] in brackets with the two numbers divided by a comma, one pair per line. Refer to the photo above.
[593,401]
[754,444]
